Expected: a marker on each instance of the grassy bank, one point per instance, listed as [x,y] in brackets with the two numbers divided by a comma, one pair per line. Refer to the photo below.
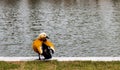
[55,65]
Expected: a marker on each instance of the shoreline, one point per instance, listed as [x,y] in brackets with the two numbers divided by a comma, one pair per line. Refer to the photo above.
[62,58]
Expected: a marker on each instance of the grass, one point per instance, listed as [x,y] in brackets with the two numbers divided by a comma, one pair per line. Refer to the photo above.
[56,65]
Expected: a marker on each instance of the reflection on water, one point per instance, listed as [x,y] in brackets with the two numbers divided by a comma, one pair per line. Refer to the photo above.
[69,3]
[10,14]
[11,3]
[34,3]
[77,27]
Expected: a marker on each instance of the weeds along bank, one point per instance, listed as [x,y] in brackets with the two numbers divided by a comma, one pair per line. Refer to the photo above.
[55,65]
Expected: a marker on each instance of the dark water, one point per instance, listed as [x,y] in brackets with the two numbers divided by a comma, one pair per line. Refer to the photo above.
[77,27]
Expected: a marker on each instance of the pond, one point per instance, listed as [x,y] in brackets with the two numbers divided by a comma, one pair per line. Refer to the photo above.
[78,28]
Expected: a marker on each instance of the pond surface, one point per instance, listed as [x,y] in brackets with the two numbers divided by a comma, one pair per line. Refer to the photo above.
[77,27]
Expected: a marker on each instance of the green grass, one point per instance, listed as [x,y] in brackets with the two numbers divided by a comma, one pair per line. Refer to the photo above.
[8,66]
[55,65]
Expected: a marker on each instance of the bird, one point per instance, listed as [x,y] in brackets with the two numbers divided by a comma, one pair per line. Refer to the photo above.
[42,46]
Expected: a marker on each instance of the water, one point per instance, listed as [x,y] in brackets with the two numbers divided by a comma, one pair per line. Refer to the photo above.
[76,27]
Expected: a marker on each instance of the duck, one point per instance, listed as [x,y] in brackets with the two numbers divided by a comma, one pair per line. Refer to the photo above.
[42,46]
